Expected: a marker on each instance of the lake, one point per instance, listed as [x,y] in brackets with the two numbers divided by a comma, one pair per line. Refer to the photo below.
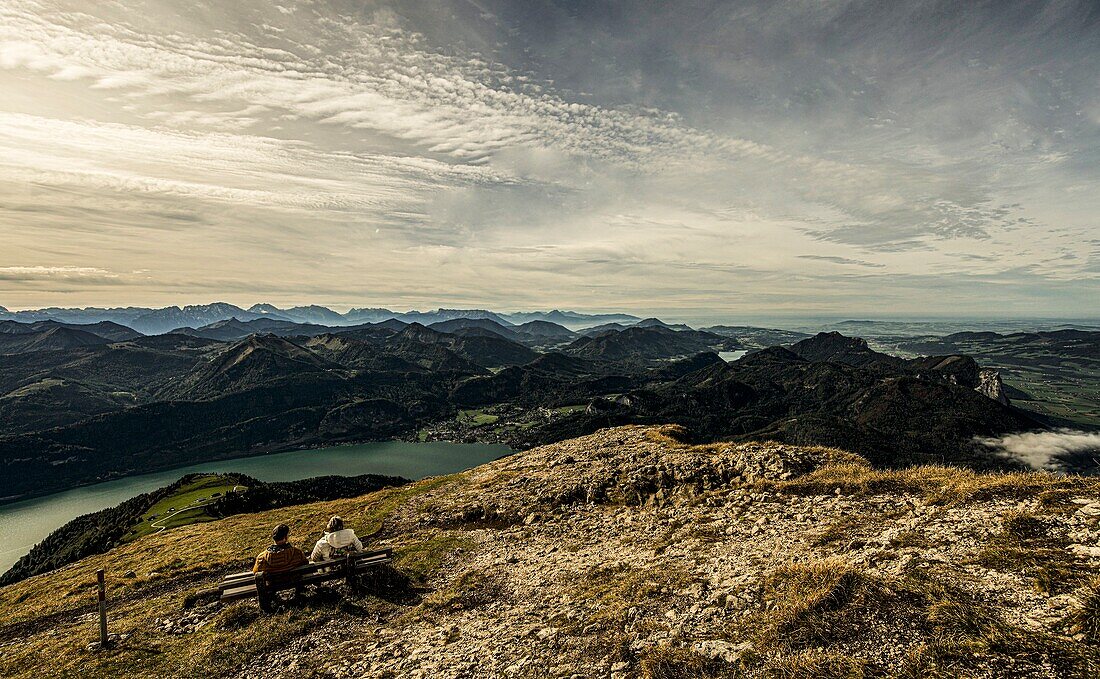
[24,524]
[731,356]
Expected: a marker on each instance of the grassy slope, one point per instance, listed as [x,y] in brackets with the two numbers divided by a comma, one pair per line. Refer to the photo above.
[168,566]
[476,418]
[176,510]
[809,621]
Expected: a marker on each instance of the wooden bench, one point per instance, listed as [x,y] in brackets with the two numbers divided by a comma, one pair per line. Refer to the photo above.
[265,585]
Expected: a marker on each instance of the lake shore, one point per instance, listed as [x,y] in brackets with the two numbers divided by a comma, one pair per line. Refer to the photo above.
[28,521]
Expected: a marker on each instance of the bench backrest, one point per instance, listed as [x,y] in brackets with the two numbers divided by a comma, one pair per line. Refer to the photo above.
[278,578]
[289,577]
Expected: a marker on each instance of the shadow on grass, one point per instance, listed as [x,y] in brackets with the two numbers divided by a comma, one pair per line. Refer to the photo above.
[384,583]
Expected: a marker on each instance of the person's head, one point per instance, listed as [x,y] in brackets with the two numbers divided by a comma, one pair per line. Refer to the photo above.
[280,534]
[335,524]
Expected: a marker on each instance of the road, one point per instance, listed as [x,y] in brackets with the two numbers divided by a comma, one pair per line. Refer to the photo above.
[158,524]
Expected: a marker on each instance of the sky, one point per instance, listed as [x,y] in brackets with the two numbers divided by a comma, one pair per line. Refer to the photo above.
[696,159]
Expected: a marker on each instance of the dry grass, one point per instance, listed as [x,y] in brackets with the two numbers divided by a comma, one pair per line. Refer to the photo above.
[1084,618]
[237,616]
[817,618]
[43,621]
[844,530]
[807,604]
[680,663]
[672,435]
[1026,546]
[816,664]
[623,603]
[617,592]
[1059,500]
[967,633]
[420,559]
[936,485]
[912,538]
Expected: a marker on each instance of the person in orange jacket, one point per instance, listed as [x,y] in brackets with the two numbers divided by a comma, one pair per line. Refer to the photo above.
[281,556]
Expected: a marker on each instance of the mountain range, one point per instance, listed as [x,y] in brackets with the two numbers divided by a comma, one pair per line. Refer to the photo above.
[101,405]
[152,321]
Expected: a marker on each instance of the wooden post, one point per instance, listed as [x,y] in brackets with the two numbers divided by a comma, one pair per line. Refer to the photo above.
[103,643]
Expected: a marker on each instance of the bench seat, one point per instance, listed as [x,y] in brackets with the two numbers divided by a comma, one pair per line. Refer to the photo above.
[264,585]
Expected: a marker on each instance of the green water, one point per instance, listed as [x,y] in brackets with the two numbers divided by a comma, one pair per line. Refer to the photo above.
[24,524]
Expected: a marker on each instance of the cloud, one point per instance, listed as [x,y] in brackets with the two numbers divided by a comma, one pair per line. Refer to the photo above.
[313,147]
[245,169]
[1042,449]
[843,260]
[22,273]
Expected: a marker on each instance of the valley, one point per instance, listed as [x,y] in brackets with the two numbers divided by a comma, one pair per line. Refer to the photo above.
[28,522]
[90,410]
[1053,373]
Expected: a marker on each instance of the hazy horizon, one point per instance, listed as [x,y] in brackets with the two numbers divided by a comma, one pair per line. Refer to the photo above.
[790,320]
[714,159]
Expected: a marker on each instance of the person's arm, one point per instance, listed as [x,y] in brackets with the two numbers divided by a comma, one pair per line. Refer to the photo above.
[259,565]
[318,553]
[357,545]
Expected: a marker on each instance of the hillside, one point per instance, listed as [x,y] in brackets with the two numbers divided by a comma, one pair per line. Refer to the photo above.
[893,415]
[104,329]
[195,498]
[44,389]
[832,347]
[231,329]
[258,360]
[1051,373]
[649,343]
[626,553]
[90,413]
[53,338]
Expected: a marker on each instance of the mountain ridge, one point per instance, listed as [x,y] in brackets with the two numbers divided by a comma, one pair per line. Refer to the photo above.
[150,320]
[160,401]
[628,552]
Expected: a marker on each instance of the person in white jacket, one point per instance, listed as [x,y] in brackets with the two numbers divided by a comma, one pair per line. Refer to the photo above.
[337,542]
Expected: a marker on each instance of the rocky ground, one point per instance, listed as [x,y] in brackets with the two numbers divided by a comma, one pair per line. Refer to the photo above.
[627,553]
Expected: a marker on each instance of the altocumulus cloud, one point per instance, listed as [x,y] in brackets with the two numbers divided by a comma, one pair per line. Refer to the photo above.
[1041,449]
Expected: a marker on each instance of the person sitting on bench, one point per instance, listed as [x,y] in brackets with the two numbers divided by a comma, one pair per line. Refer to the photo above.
[281,556]
[337,542]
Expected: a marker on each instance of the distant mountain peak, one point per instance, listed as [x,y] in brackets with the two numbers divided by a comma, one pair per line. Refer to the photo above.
[826,346]
[572,320]
[213,307]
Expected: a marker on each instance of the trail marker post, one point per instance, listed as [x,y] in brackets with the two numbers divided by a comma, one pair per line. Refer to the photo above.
[103,643]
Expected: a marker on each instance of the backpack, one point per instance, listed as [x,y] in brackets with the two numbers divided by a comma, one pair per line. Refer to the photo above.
[340,552]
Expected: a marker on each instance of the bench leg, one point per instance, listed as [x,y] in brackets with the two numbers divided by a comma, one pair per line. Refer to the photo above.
[262,595]
[349,574]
